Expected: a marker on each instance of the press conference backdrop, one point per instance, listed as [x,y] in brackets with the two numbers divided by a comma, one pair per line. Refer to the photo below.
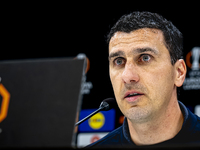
[47,32]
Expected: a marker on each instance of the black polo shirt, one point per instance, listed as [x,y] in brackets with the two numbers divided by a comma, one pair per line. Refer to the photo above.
[189,135]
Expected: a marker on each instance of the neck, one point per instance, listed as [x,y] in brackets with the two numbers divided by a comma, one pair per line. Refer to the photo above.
[162,128]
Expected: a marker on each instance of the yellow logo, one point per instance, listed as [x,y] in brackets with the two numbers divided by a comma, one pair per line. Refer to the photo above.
[5,102]
[97,121]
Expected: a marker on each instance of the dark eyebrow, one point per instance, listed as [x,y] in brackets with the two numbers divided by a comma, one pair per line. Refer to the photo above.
[135,51]
[147,49]
[115,54]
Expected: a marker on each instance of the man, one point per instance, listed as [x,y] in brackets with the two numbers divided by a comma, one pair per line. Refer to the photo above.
[145,70]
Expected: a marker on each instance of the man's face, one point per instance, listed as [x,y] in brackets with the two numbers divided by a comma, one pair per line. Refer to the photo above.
[141,73]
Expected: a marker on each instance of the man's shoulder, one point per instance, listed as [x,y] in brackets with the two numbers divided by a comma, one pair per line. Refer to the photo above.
[197,126]
[194,129]
[195,119]
[191,120]
[112,138]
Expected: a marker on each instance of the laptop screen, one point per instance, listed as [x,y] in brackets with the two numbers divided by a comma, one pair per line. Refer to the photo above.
[39,100]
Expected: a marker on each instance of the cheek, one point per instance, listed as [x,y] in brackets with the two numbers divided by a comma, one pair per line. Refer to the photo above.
[160,83]
[165,78]
[116,81]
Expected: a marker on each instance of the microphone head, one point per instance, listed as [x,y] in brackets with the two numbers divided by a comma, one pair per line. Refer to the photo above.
[108,104]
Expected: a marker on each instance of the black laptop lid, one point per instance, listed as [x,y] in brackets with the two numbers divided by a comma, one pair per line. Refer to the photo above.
[44,99]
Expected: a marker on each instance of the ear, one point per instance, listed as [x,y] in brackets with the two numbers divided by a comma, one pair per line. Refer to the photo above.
[180,72]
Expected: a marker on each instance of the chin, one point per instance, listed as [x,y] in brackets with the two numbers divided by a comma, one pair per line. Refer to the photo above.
[138,115]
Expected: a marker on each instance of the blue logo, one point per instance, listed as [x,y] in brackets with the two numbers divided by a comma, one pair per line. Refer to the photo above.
[103,121]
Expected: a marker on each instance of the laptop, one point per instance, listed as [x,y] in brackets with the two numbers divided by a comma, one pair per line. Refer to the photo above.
[39,102]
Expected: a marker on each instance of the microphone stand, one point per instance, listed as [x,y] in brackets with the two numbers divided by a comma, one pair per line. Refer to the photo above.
[90,115]
[103,106]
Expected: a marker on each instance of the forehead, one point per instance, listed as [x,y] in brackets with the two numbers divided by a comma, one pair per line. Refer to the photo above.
[144,37]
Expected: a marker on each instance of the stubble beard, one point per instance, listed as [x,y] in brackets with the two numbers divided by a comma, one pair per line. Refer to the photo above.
[138,113]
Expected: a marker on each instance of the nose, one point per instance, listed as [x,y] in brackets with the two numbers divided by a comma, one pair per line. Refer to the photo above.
[130,74]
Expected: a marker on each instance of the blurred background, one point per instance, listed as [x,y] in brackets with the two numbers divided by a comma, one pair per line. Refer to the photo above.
[56,30]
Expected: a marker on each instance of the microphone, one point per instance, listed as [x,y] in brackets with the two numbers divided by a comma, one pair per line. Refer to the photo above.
[106,105]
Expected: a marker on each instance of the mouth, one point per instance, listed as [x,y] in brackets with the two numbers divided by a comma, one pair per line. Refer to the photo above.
[132,96]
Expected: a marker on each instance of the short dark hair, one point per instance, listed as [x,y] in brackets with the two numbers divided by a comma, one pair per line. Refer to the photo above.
[137,20]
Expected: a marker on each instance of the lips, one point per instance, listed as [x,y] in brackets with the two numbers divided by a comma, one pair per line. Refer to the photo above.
[131,96]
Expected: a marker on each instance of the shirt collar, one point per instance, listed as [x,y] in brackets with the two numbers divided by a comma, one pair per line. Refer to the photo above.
[126,131]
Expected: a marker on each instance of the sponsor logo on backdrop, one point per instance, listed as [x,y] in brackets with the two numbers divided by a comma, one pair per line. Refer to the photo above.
[95,138]
[97,121]
[84,139]
[87,85]
[5,95]
[103,121]
[192,81]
